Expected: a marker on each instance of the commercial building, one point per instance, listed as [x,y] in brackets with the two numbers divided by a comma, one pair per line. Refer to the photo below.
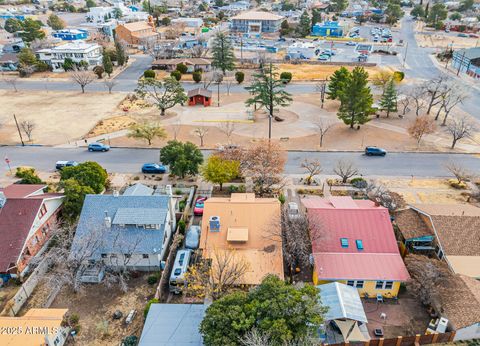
[256,22]
[327,29]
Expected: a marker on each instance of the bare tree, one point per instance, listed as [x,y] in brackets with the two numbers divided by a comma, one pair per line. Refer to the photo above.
[379,194]
[321,88]
[82,78]
[176,129]
[201,132]
[422,125]
[313,168]
[418,96]
[434,89]
[254,337]
[456,95]
[12,82]
[218,79]
[109,84]
[460,128]
[200,50]
[323,126]
[227,127]
[28,127]
[404,103]
[459,171]
[345,169]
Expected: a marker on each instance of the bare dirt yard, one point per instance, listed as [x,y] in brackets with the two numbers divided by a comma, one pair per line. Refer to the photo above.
[302,72]
[59,117]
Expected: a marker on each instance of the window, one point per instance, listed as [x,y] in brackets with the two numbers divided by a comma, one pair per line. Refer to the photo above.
[344,242]
[355,283]
[359,243]
[43,210]
[104,255]
[127,255]
[388,285]
[351,283]
[379,285]
[145,255]
[384,285]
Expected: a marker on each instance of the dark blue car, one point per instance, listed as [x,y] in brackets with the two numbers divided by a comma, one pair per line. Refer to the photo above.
[98,147]
[374,151]
[154,168]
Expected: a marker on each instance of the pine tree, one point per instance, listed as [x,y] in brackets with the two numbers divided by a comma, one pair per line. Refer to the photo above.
[121,59]
[336,82]
[222,53]
[356,98]
[316,16]
[107,64]
[389,98]
[303,28]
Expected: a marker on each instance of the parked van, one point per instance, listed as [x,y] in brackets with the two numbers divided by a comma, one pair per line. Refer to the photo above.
[180,267]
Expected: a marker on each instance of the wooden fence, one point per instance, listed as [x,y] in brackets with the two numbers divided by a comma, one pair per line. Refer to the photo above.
[418,339]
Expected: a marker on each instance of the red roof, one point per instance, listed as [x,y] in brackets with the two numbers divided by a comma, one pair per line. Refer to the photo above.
[336,218]
[21,190]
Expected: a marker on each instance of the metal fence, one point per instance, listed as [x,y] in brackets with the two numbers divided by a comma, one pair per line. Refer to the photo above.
[436,338]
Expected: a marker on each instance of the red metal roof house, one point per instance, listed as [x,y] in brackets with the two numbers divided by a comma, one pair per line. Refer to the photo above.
[199,96]
[353,242]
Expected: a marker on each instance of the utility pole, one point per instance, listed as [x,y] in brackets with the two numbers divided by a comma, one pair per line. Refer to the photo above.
[405,55]
[19,132]
[460,63]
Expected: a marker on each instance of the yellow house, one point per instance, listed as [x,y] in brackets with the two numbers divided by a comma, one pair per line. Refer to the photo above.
[353,243]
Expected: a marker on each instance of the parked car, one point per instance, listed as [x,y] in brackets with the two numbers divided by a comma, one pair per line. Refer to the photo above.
[328,52]
[98,147]
[351,43]
[192,237]
[362,57]
[473,35]
[462,35]
[374,151]
[154,168]
[323,57]
[60,164]
[198,208]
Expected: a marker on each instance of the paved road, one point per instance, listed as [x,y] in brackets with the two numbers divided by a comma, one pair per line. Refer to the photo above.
[130,160]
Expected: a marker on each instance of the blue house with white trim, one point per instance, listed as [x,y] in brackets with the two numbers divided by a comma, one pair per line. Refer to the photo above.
[467,61]
[327,29]
[71,34]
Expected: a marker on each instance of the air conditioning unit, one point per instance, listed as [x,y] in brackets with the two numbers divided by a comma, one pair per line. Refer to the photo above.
[214,223]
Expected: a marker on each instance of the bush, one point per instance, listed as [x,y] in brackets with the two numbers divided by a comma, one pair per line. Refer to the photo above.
[73,320]
[456,185]
[398,75]
[41,66]
[99,71]
[235,188]
[152,279]
[181,205]
[282,198]
[27,176]
[182,68]
[239,77]
[182,226]
[178,192]
[149,74]
[359,183]
[286,77]
[147,307]
[176,74]
[197,76]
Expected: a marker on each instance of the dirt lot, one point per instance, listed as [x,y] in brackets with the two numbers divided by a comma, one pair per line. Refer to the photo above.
[59,116]
[442,40]
[316,72]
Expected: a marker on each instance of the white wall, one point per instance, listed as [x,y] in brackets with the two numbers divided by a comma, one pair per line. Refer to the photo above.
[467,333]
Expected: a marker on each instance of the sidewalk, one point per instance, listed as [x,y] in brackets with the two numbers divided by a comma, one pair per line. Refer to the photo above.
[101,138]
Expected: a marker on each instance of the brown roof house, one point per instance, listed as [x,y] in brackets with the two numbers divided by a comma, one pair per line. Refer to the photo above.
[193,64]
[451,231]
[27,216]
[137,33]
[242,223]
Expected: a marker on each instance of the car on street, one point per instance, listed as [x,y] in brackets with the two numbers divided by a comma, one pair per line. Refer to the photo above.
[374,151]
[61,164]
[462,35]
[98,147]
[351,43]
[323,57]
[328,52]
[199,204]
[362,58]
[192,237]
[154,168]
[473,35]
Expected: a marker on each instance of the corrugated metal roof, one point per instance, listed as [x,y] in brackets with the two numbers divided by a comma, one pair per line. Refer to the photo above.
[138,189]
[257,15]
[343,301]
[139,216]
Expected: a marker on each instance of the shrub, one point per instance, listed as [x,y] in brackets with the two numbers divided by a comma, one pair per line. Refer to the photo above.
[99,71]
[286,77]
[282,198]
[136,177]
[197,76]
[176,74]
[359,183]
[74,319]
[27,176]
[239,77]
[178,192]
[149,74]
[147,307]
[182,68]
[41,66]
[152,279]
[181,205]
[182,226]
[398,75]
[456,185]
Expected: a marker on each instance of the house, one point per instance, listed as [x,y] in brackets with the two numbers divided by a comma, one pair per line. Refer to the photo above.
[241,223]
[100,14]
[456,229]
[193,64]
[38,327]
[353,242]
[413,232]
[188,22]
[173,324]
[467,60]
[256,22]
[345,319]
[71,34]
[327,29]
[77,51]
[138,189]
[137,33]
[8,62]
[199,96]
[27,216]
[122,231]
[13,46]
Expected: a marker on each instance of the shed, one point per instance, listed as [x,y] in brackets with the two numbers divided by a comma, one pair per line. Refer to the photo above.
[199,96]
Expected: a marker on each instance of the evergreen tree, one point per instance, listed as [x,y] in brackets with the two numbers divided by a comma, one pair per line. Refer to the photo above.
[336,83]
[389,98]
[31,30]
[120,50]
[316,16]
[418,11]
[356,98]
[222,53]
[55,22]
[107,64]
[303,28]
[338,5]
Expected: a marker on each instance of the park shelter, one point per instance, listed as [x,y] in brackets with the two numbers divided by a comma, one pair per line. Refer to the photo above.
[199,96]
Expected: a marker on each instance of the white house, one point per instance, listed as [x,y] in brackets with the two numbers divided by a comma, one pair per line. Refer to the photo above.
[100,14]
[189,22]
[77,51]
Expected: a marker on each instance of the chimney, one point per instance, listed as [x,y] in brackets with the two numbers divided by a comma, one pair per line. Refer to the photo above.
[115,193]
[168,190]
[108,220]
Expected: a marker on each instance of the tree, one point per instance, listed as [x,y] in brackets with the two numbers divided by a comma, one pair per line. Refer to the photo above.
[418,11]
[422,125]
[149,74]
[31,30]
[28,127]
[182,158]
[455,16]
[338,5]
[227,127]
[26,57]
[381,79]
[437,13]
[13,25]
[393,12]
[117,13]
[222,53]
[389,98]
[285,28]
[460,128]
[219,171]
[87,173]
[99,70]
[74,196]
[147,131]
[345,169]
[466,5]
[90,3]
[458,171]
[107,64]
[121,55]
[304,26]
[435,89]
[267,308]
[378,193]
[455,95]
[165,21]
[82,78]
[316,16]
[268,91]
[27,176]
[177,75]
[201,132]
[109,84]
[11,81]
[164,94]
[313,168]
[182,68]
[55,22]
[286,77]
[356,99]
[197,76]
[323,126]
[337,82]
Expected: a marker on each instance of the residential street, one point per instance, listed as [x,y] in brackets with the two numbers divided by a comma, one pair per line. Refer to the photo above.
[130,160]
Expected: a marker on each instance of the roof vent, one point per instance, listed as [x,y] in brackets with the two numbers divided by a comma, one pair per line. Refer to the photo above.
[108,220]
[115,193]
[214,223]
